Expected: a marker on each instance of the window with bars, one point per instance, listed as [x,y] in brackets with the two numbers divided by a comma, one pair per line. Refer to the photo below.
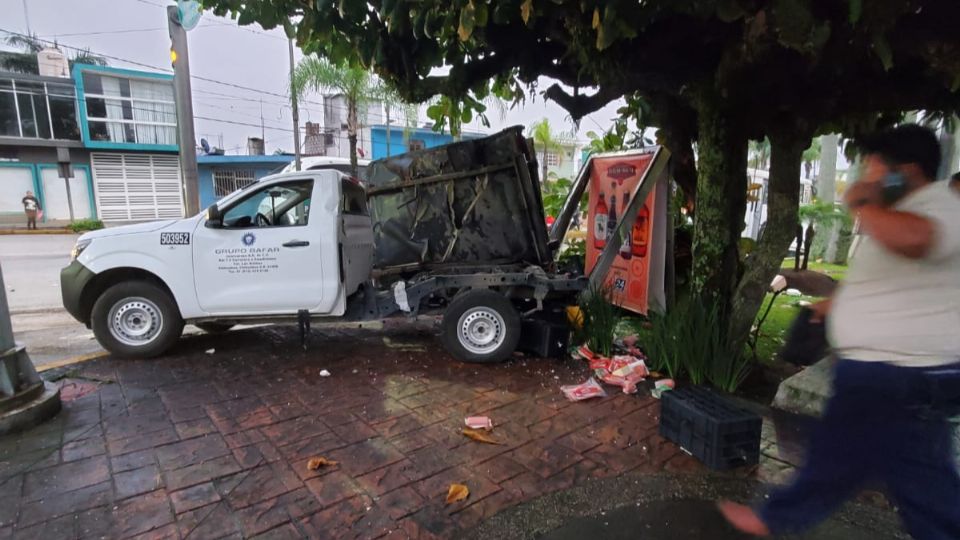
[416,144]
[553,159]
[227,181]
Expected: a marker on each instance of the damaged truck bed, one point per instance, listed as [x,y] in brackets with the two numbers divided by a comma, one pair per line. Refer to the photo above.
[470,203]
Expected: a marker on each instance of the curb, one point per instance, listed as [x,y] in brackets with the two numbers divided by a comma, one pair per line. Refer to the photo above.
[11,232]
[71,361]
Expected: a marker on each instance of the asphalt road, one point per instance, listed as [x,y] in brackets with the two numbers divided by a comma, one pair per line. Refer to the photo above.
[31,270]
[31,274]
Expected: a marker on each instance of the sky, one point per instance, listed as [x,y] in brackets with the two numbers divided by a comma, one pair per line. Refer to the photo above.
[249,64]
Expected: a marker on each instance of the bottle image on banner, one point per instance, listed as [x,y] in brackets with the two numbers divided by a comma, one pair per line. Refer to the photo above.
[612,218]
[600,223]
[626,251]
[640,232]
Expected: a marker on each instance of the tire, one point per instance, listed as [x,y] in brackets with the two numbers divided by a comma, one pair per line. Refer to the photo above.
[136,319]
[214,327]
[480,326]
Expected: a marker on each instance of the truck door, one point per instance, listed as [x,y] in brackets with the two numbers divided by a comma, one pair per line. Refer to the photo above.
[356,235]
[264,258]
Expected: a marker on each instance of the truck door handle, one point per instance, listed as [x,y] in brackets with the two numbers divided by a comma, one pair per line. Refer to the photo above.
[296,243]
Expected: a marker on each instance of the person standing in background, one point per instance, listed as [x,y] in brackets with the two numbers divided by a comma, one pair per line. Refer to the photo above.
[31,207]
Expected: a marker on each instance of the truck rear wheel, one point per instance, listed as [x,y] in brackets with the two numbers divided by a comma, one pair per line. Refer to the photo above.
[481,326]
[136,319]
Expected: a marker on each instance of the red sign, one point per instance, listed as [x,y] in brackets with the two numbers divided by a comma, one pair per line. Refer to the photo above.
[612,181]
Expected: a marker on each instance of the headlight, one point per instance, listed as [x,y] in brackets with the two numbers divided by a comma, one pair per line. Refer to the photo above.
[78,249]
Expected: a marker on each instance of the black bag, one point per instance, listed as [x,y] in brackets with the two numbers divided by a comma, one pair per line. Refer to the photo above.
[806,342]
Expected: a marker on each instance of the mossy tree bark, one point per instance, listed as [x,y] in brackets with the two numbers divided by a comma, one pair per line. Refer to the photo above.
[783,198]
[720,204]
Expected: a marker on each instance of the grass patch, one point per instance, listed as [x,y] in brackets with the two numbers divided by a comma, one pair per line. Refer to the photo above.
[774,330]
[836,271]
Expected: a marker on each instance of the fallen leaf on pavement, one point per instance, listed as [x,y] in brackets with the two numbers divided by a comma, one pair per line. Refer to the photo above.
[457,492]
[317,462]
[479,436]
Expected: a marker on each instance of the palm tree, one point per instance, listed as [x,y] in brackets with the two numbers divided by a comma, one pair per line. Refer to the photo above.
[548,141]
[358,86]
[26,61]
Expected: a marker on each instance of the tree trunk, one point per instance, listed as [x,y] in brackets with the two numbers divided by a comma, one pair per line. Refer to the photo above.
[721,204]
[783,199]
[947,143]
[807,244]
[352,129]
[543,164]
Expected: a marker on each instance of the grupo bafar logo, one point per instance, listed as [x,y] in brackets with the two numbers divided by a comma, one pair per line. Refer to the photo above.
[249,239]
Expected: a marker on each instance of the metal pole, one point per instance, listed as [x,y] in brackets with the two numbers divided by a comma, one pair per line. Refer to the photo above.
[296,114]
[387,108]
[6,327]
[66,181]
[184,97]
[26,17]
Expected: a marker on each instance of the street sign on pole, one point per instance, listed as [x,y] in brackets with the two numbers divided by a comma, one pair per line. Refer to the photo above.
[184,102]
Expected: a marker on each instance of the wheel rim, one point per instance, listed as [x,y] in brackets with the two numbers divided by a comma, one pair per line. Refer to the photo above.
[481,330]
[135,321]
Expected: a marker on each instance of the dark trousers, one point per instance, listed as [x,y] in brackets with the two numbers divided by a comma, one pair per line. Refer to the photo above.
[31,219]
[883,424]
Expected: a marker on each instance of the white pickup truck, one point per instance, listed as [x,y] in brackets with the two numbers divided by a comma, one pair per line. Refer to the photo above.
[304,244]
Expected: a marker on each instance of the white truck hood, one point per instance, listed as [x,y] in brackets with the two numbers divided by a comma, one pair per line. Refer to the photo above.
[150,226]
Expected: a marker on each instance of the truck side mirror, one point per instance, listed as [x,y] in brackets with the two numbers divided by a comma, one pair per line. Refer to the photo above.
[214,216]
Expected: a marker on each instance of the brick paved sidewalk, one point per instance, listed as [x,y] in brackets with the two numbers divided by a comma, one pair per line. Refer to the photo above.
[207,446]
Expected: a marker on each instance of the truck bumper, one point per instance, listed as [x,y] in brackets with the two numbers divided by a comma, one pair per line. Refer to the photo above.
[73,279]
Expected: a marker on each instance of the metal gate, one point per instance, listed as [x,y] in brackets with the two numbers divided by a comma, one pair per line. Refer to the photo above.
[137,187]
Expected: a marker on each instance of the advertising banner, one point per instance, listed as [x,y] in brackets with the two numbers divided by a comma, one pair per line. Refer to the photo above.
[637,273]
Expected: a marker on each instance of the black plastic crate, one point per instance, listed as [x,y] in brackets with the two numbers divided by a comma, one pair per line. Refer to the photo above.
[710,427]
[546,339]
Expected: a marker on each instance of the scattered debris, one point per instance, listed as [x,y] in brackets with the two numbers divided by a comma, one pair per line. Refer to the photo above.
[794,292]
[324,373]
[479,436]
[457,492]
[318,462]
[579,392]
[624,371]
[210,351]
[661,386]
[479,422]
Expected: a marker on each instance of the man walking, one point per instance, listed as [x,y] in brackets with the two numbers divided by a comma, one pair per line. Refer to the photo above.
[31,207]
[893,326]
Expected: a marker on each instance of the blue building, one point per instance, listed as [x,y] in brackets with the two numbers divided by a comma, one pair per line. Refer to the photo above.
[120,129]
[405,140]
[222,175]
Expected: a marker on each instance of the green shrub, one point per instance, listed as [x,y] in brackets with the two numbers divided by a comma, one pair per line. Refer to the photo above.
[82,225]
[600,319]
[689,340]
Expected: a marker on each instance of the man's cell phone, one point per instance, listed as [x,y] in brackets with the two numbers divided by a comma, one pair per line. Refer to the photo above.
[894,188]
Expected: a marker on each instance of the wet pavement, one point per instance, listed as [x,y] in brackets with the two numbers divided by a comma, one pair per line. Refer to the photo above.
[199,445]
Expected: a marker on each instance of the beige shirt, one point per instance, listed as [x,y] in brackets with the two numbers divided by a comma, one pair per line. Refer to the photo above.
[904,311]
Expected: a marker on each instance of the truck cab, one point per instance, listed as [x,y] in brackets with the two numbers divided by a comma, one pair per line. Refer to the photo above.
[289,243]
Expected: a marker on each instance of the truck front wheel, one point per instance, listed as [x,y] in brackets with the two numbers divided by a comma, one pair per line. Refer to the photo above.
[482,326]
[136,319]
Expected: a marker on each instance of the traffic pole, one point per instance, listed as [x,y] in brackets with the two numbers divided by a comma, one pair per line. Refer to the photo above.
[180,57]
